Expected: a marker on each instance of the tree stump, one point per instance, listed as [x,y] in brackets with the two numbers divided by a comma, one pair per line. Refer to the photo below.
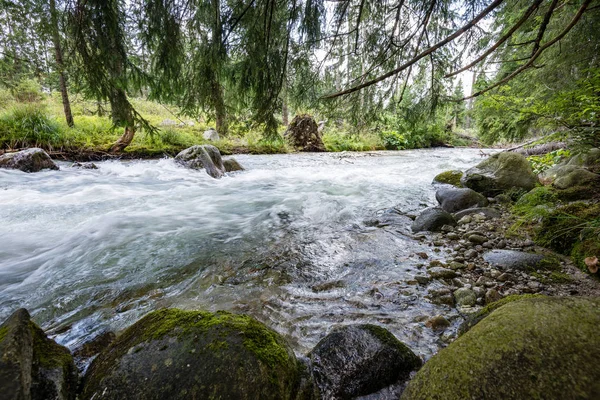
[303,134]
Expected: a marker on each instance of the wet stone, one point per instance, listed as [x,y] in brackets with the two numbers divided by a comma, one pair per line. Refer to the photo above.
[441,273]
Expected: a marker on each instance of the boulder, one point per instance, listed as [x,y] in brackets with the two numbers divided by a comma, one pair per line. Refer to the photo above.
[32,366]
[485,211]
[231,165]
[457,199]
[499,173]
[449,177]
[432,219]
[357,360]
[211,135]
[570,176]
[512,260]
[30,160]
[202,157]
[537,348]
[175,354]
[589,159]
[303,134]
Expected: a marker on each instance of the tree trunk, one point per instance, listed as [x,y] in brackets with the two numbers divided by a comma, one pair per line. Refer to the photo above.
[218,52]
[60,65]
[122,114]
[284,106]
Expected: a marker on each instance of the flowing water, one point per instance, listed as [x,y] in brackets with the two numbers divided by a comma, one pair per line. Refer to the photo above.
[302,242]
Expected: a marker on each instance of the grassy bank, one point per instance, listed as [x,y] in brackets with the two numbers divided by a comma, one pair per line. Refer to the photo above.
[34,119]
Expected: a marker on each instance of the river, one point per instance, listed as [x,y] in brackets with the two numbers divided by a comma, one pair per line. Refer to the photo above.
[293,241]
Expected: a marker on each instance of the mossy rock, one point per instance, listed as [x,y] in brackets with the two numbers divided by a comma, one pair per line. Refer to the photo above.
[449,177]
[565,226]
[32,366]
[586,248]
[542,348]
[475,318]
[232,165]
[500,173]
[175,354]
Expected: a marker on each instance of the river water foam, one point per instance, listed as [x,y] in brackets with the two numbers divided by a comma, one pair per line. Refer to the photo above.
[288,241]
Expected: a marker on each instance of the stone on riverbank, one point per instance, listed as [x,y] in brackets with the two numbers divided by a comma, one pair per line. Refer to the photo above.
[457,199]
[542,348]
[205,157]
[449,177]
[499,173]
[211,135]
[231,165]
[512,260]
[32,366]
[30,160]
[489,213]
[175,354]
[432,219]
[357,360]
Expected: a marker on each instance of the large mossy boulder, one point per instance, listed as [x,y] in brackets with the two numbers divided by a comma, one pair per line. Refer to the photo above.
[205,157]
[175,354]
[32,366]
[539,348]
[500,173]
[30,160]
[457,199]
[358,360]
[304,135]
[449,178]
[432,219]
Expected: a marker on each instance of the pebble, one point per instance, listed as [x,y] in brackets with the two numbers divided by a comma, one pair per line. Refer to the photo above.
[453,236]
[469,254]
[491,296]
[478,239]
[441,273]
[437,323]
[465,297]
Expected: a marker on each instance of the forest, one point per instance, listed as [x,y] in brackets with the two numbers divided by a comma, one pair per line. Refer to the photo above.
[299,199]
[379,74]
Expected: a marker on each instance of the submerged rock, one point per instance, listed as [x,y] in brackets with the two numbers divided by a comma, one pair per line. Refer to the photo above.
[32,366]
[175,354]
[449,177]
[538,348]
[303,134]
[30,160]
[456,199]
[205,157]
[499,173]
[89,165]
[357,360]
[231,165]
[512,260]
[432,219]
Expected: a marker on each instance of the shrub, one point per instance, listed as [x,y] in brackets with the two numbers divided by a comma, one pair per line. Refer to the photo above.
[28,126]
[393,140]
[27,91]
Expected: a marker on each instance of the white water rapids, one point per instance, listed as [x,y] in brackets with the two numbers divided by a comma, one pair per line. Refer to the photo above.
[287,241]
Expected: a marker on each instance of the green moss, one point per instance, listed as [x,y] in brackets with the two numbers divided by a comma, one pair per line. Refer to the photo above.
[449,177]
[3,332]
[475,318]
[586,248]
[48,353]
[543,348]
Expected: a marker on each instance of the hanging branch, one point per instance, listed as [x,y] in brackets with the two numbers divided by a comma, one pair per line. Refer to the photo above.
[543,26]
[503,39]
[425,53]
[536,55]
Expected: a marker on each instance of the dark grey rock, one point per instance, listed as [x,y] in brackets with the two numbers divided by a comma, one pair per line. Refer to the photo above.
[512,260]
[231,165]
[358,360]
[477,239]
[205,157]
[490,213]
[456,199]
[32,366]
[432,219]
[441,273]
[499,173]
[84,165]
[30,160]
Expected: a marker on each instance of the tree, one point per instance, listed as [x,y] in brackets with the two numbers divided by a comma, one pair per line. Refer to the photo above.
[60,65]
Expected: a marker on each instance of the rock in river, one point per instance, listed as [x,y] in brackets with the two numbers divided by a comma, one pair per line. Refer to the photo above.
[33,366]
[499,173]
[456,199]
[30,160]
[537,348]
[231,165]
[357,360]
[202,157]
[175,354]
[432,219]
